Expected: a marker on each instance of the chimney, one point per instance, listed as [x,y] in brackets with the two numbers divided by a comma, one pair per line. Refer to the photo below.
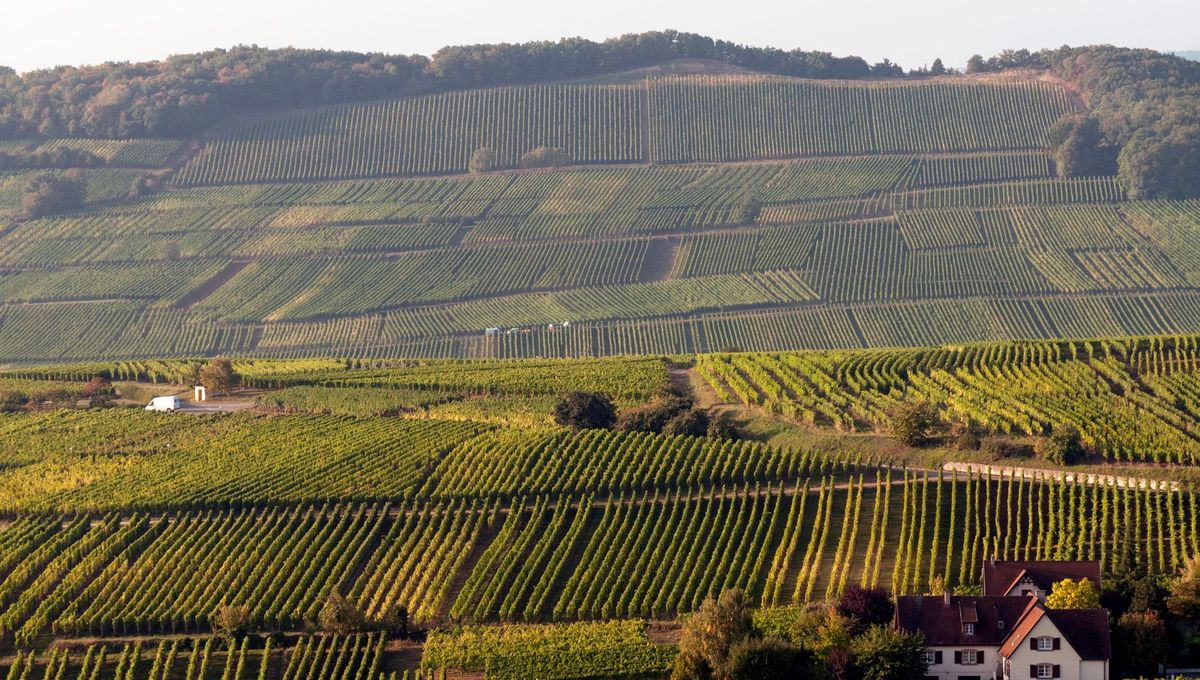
[946,598]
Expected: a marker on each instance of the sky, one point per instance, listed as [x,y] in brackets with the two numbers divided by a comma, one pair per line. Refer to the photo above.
[46,33]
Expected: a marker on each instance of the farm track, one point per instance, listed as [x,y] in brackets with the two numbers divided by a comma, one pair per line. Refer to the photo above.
[207,288]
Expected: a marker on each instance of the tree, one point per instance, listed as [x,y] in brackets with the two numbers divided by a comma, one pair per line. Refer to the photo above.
[11,401]
[938,68]
[483,160]
[1157,164]
[722,427]
[821,629]
[768,659]
[218,375]
[231,621]
[545,157]
[710,634]
[692,422]
[1184,600]
[653,417]
[1146,595]
[96,386]
[1079,149]
[976,64]
[1068,594]
[1062,447]
[866,606]
[396,620]
[47,193]
[339,615]
[1139,643]
[885,654]
[913,423]
[585,411]
[886,69]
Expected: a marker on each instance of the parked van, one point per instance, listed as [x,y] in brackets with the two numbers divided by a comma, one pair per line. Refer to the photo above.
[163,404]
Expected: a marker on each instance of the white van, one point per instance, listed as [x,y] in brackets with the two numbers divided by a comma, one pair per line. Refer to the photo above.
[163,404]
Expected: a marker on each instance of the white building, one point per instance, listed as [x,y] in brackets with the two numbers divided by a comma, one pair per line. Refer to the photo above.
[1008,633]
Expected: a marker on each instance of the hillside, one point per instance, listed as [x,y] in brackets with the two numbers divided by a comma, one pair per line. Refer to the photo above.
[444,490]
[698,213]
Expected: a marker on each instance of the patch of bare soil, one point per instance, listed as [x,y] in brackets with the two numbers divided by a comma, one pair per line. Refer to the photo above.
[664,632]
[211,285]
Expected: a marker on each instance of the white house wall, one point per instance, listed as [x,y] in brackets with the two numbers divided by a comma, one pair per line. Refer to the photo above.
[948,670]
[1070,665]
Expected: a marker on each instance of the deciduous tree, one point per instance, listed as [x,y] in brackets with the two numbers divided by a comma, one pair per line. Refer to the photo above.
[1068,594]
[585,411]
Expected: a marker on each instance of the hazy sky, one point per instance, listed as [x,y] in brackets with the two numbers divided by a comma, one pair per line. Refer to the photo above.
[45,33]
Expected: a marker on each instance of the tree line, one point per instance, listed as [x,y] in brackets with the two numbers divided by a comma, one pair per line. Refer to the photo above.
[1144,123]
[183,94]
[1144,118]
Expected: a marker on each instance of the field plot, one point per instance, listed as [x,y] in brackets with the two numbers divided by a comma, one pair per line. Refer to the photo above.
[428,135]
[723,118]
[700,213]
[1131,400]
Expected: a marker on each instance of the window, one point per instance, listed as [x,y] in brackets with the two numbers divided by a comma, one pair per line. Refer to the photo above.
[968,656]
[968,629]
[1045,644]
[1045,670]
[1000,624]
[930,657]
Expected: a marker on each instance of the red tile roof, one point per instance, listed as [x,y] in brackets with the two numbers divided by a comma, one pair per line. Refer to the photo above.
[942,621]
[1085,630]
[1000,577]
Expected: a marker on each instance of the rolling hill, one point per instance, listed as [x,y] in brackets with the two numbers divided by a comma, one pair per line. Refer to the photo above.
[692,212]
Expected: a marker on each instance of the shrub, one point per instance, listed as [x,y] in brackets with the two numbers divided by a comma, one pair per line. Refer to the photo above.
[47,193]
[692,422]
[913,423]
[96,386]
[866,606]
[483,160]
[11,400]
[585,411]
[339,615]
[967,441]
[231,621]
[653,417]
[767,659]
[545,157]
[710,634]
[218,375]
[723,427]
[1139,643]
[885,654]
[1063,446]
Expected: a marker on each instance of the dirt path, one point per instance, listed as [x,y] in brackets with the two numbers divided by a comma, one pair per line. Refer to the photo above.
[211,285]
[660,259]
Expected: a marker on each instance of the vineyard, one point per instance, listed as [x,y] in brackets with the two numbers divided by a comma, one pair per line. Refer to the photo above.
[440,493]
[1132,400]
[390,493]
[699,213]
[810,254]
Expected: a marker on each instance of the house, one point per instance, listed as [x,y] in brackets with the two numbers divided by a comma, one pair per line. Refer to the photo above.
[1008,633]
[1057,643]
[963,634]
[1034,577]
[1007,638]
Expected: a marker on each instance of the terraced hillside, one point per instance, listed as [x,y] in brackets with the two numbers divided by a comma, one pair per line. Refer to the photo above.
[700,213]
